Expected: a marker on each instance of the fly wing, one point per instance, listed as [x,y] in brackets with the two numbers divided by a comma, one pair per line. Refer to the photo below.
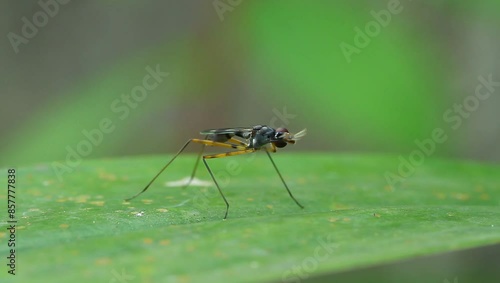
[242,132]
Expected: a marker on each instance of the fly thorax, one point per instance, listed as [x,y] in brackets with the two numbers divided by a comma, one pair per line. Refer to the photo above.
[262,136]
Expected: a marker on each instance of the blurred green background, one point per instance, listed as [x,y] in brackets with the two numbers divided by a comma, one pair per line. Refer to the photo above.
[241,63]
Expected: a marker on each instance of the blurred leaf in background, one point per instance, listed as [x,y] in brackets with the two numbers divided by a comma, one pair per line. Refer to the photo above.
[260,58]
[382,99]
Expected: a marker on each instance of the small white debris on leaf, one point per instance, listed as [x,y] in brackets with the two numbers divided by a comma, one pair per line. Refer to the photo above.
[185,181]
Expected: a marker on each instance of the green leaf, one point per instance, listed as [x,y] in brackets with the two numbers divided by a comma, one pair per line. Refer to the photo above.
[80,229]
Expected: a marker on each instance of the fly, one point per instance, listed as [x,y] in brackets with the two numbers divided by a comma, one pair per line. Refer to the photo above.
[240,140]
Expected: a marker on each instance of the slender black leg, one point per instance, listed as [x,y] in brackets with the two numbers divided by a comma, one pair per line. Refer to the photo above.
[232,140]
[165,167]
[195,167]
[203,142]
[222,155]
[281,177]
[217,185]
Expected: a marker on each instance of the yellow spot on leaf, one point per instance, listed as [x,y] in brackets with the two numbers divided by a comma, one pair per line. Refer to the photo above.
[35,192]
[162,210]
[165,242]
[97,202]
[339,206]
[440,195]
[63,226]
[461,196]
[147,201]
[147,241]
[82,198]
[190,248]
[220,254]
[103,261]
[484,196]
[107,176]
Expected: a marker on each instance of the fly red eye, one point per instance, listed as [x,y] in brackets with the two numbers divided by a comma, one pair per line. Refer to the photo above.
[280,133]
[282,130]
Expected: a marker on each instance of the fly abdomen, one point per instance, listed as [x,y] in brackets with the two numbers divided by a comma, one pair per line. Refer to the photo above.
[219,137]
